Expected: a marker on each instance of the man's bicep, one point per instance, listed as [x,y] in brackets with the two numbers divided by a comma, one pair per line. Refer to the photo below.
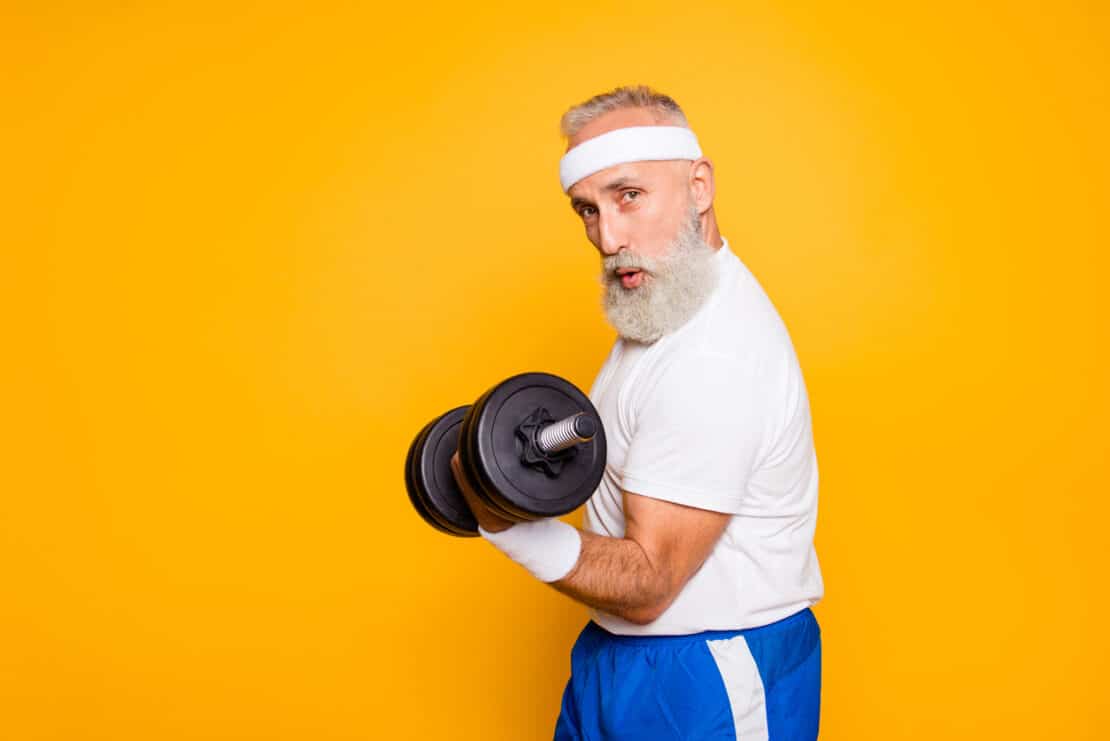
[676,538]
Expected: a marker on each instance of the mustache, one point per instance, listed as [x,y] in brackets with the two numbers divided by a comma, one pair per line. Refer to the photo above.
[612,263]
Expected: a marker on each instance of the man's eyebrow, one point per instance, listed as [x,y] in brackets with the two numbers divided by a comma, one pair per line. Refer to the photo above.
[612,185]
[618,183]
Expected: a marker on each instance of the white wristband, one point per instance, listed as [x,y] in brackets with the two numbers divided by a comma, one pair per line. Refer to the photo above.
[547,548]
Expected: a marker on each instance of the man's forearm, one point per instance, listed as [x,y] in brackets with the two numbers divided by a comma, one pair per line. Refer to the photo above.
[616,575]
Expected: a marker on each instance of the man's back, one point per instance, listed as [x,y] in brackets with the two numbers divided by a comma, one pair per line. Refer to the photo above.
[715,415]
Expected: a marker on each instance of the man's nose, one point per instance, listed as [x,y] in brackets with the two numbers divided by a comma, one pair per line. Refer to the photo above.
[610,237]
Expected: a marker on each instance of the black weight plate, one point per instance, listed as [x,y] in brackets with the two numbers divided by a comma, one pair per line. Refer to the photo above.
[496,449]
[418,494]
[435,481]
[476,474]
[439,519]
[429,479]
[471,473]
[433,477]
[415,496]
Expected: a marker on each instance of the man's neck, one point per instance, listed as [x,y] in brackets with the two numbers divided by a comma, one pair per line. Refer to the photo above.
[710,233]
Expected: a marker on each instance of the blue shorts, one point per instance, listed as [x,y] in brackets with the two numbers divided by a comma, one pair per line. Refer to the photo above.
[759,683]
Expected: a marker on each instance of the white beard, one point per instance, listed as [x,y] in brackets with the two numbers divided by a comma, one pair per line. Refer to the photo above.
[680,282]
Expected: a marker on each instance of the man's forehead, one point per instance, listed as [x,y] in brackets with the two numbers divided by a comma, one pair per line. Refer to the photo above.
[618,176]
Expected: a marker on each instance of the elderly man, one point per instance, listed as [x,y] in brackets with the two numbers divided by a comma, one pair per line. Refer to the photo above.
[696,556]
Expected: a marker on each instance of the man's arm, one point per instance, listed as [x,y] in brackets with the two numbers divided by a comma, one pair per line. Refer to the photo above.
[638,576]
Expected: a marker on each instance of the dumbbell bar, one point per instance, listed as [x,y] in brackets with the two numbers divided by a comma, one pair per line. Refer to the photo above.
[531,446]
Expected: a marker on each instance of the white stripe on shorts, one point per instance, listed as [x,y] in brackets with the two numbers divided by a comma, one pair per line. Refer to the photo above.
[743,685]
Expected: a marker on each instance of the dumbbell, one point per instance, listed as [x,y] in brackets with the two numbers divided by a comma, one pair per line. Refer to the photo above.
[531,446]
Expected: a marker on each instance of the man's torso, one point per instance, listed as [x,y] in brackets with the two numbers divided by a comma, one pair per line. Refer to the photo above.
[764,567]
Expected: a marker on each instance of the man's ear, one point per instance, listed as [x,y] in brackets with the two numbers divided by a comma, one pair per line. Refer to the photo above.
[701,184]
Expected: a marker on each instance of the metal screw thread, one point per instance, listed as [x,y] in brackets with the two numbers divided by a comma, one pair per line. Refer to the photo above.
[575,429]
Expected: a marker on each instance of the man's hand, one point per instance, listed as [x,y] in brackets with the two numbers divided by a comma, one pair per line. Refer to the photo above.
[489,521]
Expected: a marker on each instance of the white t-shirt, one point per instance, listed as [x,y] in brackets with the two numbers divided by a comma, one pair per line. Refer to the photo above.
[715,415]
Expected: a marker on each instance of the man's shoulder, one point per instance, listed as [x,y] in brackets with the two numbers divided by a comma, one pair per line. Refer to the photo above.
[739,346]
[741,326]
[744,319]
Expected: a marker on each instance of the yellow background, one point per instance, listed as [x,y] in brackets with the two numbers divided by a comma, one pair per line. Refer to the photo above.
[249,249]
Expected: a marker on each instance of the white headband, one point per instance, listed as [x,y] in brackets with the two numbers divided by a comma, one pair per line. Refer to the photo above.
[630,144]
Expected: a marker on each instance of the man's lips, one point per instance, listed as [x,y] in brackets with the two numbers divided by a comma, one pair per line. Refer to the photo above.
[630,277]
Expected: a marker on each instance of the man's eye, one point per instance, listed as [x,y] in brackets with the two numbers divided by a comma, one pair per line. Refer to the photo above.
[586,211]
[632,193]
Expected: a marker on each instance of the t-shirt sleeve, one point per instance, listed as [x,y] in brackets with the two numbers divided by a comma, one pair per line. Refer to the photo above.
[697,435]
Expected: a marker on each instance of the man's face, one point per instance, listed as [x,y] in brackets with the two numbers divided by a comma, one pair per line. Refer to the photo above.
[635,207]
[656,268]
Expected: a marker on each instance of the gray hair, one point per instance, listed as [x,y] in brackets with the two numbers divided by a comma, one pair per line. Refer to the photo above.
[629,96]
